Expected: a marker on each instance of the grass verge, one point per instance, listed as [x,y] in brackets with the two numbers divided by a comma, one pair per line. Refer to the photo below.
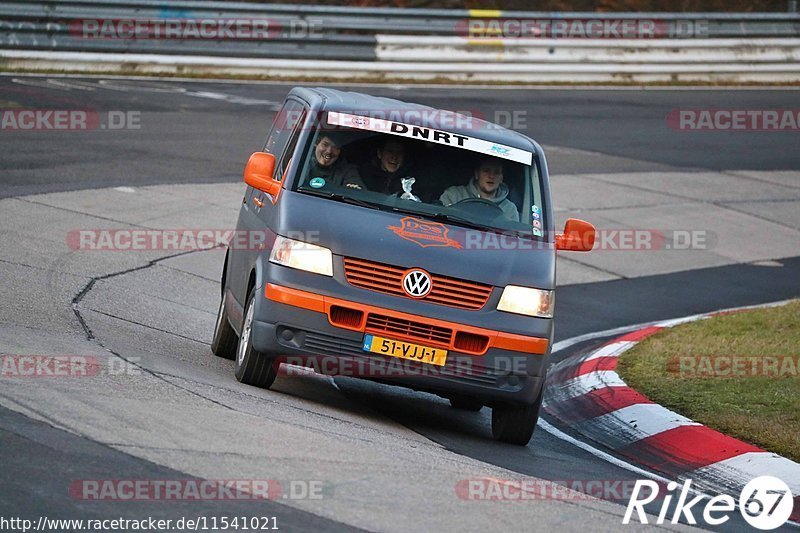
[736,373]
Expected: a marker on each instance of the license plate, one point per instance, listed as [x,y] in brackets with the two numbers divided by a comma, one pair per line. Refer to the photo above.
[405,350]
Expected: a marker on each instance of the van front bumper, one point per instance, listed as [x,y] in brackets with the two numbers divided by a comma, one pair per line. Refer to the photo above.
[306,329]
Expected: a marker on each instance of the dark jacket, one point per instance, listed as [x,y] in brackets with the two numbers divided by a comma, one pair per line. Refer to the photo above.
[339,173]
[378,180]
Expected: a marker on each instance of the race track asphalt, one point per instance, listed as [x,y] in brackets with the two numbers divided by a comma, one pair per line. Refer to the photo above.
[202,133]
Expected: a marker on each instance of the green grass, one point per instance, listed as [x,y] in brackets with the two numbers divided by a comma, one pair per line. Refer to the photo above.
[761,409]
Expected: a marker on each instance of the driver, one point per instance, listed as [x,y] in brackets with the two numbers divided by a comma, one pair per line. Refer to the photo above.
[486,183]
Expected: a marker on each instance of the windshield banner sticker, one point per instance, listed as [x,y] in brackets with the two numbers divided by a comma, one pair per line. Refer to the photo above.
[424,233]
[429,134]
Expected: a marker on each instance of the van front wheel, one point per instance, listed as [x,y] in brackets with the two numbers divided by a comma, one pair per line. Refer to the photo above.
[224,342]
[514,424]
[252,367]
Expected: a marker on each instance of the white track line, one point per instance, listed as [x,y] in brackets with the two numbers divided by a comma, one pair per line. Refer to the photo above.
[615,349]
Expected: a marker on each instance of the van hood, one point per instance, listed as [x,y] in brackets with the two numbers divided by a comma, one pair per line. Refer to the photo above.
[411,241]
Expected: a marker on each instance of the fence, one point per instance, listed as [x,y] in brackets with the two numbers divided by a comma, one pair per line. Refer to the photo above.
[395,43]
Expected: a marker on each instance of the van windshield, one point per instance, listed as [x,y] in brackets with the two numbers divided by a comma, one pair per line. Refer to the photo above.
[466,187]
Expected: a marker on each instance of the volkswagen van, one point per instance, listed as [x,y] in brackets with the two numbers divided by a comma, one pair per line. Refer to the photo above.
[431,268]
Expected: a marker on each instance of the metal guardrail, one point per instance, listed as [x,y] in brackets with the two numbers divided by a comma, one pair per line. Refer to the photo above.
[343,33]
[398,43]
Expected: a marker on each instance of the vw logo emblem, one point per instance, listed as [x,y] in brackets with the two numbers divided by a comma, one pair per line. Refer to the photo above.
[417,283]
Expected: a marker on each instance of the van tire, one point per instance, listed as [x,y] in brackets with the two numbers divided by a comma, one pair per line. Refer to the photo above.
[225,339]
[466,404]
[252,367]
[514,424]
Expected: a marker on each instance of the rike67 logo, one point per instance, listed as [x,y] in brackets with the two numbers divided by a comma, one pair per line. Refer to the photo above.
[765,503]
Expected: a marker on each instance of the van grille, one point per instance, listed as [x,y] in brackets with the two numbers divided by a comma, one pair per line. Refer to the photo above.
[388,279]
[408,329]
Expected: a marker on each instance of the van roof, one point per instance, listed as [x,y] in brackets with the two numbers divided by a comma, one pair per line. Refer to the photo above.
[413,114]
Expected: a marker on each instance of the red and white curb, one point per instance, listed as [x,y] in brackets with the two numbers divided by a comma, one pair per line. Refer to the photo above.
[586,394]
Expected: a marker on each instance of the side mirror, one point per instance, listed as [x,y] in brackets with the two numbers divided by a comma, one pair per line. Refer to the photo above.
[578,236]
[258,173]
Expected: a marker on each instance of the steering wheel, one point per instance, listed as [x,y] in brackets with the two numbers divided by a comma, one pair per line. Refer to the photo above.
[478,201]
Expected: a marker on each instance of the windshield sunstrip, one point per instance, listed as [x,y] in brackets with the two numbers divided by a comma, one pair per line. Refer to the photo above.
[411,131]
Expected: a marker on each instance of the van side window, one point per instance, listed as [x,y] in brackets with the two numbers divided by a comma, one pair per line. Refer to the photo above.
[280,168]
[282,127]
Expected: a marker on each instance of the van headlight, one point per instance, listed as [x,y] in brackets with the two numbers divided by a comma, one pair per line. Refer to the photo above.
[302,255]
[527,301]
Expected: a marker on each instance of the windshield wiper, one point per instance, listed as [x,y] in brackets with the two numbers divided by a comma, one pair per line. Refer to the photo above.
[342,198]
[455,219]
[461,221]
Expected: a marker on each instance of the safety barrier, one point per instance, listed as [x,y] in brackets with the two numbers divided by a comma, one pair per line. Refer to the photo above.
[422,44]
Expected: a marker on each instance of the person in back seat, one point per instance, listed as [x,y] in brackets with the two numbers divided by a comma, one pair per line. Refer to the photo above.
[486,183]
[383,174]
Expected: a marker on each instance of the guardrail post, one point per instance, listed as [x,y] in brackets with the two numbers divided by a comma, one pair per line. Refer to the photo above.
[792,6]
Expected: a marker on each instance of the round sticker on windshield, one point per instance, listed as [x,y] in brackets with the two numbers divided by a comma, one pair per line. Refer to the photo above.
[535,208]
[316,183]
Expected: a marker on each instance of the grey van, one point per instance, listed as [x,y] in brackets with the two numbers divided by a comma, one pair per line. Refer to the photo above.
[391,241]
